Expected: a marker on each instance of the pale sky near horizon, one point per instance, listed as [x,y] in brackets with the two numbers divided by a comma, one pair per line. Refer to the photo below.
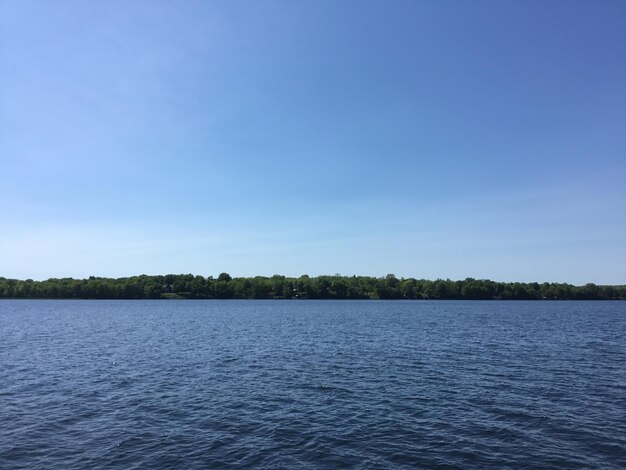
[431,139]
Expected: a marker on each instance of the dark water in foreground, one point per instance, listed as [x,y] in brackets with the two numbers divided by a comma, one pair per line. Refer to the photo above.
[312,384]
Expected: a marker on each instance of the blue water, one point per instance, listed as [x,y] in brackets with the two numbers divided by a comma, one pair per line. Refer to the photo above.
[312,384]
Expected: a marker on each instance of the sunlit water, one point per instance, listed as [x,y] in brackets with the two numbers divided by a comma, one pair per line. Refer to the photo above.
[312,384]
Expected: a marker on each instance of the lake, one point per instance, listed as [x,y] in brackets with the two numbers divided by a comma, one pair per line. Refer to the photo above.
[312,384]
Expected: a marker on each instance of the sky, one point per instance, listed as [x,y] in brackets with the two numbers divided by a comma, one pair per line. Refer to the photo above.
[429,139]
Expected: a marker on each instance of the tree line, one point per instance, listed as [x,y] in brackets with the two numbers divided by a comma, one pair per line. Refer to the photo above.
[188,286]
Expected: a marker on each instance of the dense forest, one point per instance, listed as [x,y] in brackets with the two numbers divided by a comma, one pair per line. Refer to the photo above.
[188,286]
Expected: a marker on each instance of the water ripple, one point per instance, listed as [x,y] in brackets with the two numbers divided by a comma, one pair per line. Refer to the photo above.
[212,384]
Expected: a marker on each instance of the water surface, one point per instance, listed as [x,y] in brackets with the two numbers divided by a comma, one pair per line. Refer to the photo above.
[312,384]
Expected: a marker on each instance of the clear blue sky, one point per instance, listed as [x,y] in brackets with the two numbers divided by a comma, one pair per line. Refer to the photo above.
[422,138]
